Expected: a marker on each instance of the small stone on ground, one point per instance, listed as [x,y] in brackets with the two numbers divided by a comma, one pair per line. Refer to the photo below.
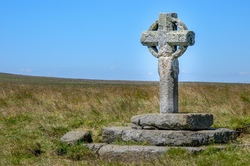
[74,137]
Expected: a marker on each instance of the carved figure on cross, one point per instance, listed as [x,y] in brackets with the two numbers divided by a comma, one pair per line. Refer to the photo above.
[167,39]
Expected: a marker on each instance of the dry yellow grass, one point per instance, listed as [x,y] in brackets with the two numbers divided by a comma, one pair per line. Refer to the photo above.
[35,112]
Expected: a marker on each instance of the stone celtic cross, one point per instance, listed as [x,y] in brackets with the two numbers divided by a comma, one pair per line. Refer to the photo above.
[167,39]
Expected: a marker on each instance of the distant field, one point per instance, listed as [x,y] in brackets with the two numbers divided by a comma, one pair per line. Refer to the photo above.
[35,112]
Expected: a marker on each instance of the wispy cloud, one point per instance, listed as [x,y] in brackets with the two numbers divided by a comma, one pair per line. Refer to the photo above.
[27,70]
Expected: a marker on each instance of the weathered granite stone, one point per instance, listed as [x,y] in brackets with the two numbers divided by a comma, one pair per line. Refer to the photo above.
[136,152]
[170,137]
[167,44]
[74,137]
[131,153]
[180,121]
[112,135]
[168,71]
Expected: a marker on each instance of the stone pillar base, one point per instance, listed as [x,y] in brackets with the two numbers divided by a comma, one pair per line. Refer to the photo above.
[169,137]
[135,153]
[180,121]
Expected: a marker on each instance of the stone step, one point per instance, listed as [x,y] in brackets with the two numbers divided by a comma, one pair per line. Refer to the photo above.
[169,137]
[171,121]
[130,153]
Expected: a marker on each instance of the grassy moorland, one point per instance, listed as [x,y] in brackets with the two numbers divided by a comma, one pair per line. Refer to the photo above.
[36,112]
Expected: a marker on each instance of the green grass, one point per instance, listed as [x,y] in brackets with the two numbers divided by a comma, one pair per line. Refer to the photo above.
[35,112]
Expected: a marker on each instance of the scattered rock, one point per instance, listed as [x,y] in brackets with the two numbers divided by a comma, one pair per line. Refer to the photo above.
[74,137]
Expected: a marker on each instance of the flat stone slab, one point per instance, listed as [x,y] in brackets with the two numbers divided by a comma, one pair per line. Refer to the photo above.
[74,137]
[132,153]
[169,137]
[172,121]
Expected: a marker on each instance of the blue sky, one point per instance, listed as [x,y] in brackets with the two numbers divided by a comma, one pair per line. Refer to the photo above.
[95,39]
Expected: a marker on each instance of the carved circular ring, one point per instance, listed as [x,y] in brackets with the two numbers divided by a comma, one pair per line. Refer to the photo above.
[181,49]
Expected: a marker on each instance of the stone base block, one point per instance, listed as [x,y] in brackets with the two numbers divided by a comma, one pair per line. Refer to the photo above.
[134,152]
[180,121]
[169,137]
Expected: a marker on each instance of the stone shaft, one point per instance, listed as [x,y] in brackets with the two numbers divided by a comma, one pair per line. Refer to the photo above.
[168,71]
